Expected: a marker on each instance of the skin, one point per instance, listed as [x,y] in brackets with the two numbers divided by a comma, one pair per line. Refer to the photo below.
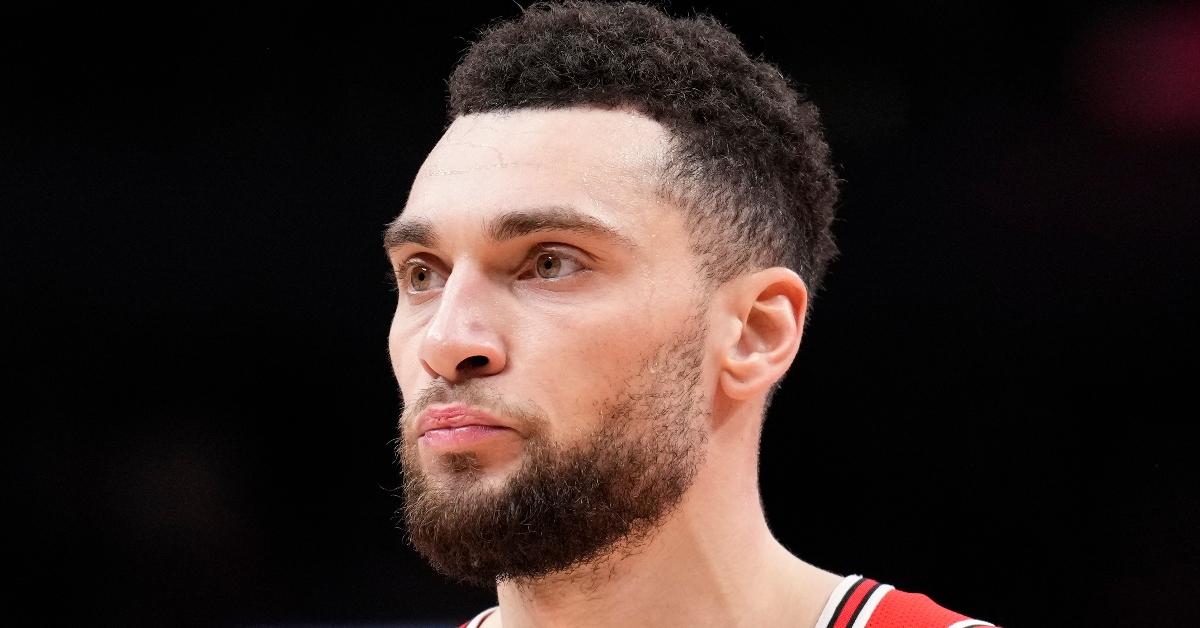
[565,344]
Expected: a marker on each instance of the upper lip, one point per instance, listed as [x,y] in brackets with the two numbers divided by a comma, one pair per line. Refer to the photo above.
[455,415]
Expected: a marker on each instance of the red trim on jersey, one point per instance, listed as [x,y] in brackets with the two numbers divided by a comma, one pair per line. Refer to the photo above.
[858,596]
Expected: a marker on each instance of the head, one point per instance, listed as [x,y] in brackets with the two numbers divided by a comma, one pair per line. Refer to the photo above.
[606,259]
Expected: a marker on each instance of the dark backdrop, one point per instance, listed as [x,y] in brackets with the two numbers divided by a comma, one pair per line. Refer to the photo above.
[990,405]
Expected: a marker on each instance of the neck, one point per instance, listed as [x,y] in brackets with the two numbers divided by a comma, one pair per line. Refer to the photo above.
[712,562]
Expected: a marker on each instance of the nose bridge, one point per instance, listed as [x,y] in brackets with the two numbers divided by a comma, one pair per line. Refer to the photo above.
[462,336]
[459,304]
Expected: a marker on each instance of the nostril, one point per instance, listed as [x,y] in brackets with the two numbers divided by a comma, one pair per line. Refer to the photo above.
[475,361]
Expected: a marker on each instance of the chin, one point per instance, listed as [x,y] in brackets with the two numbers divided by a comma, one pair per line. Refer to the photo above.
[469,470]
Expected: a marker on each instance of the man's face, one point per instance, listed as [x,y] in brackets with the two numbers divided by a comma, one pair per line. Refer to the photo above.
[549,342]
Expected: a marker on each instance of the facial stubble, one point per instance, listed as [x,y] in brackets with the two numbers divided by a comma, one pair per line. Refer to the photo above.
[566,506]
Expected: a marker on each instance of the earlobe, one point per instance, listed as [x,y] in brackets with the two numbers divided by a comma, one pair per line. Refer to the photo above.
[770,307]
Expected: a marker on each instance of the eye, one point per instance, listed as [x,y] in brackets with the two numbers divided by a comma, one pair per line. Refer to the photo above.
[554,265]
[417,276]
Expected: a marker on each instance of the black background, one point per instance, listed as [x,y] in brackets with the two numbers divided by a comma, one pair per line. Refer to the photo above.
[990,405]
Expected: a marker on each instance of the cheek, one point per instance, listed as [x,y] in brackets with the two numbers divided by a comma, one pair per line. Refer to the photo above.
[402,351]
[578,363]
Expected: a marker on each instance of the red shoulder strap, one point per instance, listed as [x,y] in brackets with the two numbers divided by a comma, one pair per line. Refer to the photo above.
[868,603]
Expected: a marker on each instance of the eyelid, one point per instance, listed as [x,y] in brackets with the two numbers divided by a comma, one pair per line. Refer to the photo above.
[566,250]
[424,258]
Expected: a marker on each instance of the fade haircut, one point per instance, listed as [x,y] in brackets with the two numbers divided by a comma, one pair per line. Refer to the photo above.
[748,162]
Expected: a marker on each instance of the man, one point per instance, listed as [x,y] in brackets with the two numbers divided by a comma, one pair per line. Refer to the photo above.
[604,269]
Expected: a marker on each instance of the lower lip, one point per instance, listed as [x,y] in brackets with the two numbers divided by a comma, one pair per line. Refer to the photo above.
[459,437]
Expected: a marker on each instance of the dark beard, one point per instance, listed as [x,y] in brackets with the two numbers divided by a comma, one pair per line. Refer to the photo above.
[566,507]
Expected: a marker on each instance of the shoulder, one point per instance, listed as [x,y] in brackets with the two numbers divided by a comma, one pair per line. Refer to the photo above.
[860,602]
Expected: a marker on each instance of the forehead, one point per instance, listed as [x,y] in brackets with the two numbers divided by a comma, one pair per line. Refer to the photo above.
[600,162]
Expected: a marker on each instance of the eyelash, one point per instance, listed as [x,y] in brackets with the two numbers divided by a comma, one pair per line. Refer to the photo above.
[401,274]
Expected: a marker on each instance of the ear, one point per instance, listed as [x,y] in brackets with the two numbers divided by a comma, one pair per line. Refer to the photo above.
[766,309]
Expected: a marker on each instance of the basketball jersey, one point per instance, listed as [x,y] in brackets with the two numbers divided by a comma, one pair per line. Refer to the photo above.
[859,602]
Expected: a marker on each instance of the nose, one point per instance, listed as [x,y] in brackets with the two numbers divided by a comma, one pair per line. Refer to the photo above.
[463,340]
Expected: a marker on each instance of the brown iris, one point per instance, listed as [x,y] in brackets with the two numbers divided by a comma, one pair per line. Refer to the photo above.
[548,265]
[419,277]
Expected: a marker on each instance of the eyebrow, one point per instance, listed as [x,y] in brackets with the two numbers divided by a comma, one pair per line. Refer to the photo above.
[506,226]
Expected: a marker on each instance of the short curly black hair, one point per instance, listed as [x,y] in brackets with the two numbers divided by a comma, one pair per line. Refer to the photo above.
[748,161]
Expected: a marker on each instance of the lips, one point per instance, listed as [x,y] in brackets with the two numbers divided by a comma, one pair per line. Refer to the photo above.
[456,415]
